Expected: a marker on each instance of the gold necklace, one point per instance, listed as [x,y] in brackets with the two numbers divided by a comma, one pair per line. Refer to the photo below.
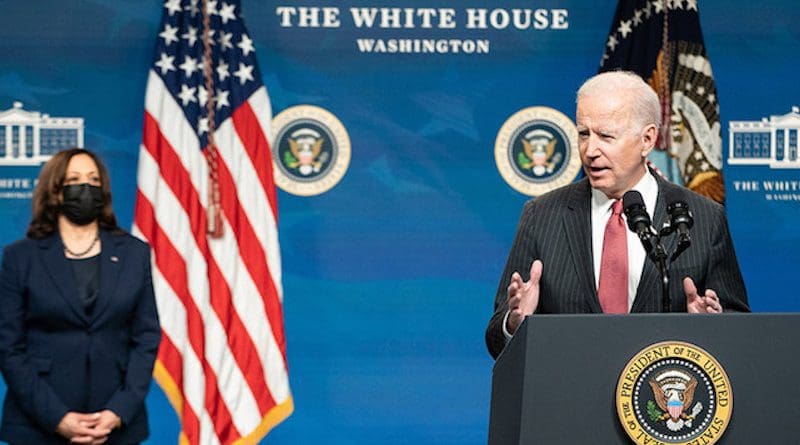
[80,254]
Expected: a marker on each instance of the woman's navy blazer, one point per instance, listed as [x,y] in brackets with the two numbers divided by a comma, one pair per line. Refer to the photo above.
[55,358]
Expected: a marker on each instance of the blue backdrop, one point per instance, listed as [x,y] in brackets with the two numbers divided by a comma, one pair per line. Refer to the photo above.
[389,277]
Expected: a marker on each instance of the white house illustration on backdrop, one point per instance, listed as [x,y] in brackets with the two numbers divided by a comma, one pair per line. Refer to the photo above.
[771,142]
[31,138]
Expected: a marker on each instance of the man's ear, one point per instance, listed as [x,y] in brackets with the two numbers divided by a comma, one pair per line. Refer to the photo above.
[649,138]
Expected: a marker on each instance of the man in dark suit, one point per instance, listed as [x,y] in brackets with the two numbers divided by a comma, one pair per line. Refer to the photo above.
[569,244]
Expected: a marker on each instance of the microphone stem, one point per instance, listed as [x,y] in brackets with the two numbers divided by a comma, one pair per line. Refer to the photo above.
[666,302]
[660,258]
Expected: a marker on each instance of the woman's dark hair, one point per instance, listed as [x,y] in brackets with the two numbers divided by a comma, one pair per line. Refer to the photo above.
[47,195]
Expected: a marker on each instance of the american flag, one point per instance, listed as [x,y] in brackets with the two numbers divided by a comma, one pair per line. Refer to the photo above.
[222,360]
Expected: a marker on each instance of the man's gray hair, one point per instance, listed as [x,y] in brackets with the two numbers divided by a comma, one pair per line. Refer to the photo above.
[645,104]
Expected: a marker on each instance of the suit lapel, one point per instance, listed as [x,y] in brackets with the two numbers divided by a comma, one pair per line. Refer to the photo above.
[60,271]
[110,265]
[578,224]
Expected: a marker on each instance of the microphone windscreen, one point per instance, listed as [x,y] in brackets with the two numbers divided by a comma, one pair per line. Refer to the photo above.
[679,213]
[632,198]
[635,211]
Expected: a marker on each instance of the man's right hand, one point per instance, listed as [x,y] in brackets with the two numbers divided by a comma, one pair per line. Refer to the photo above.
[522,297]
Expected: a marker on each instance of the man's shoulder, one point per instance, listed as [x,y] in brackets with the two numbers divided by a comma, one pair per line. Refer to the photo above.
[560,197]
[694,200]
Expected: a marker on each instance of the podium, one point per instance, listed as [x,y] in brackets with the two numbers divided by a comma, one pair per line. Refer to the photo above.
[556,381]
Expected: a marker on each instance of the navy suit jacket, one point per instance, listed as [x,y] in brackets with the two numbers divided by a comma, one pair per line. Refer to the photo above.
[557,229]
[55,358]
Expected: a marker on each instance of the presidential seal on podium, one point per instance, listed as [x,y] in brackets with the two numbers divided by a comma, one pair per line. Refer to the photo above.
[674,393]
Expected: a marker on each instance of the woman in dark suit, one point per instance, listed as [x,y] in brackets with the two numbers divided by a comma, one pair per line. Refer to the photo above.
[78,322]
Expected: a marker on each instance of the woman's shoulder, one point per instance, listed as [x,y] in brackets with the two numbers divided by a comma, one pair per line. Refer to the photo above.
[127,241]
[24,245]
[21,250]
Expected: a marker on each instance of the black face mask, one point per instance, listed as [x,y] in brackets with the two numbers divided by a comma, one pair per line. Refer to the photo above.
[82,203]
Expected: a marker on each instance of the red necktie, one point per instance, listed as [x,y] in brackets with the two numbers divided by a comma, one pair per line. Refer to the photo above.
[613,288]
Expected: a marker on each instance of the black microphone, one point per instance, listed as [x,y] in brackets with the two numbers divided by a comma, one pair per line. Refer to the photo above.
[680,221]
[638,219]
[639,222]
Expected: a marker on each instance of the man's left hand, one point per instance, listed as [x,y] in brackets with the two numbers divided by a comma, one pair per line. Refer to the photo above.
[696,303]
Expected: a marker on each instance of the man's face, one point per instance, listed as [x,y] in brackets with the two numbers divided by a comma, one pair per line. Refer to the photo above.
[612,148]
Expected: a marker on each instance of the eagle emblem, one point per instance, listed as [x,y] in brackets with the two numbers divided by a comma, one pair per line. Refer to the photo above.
[666,394]
[304,155]
[674,393]
[538,152]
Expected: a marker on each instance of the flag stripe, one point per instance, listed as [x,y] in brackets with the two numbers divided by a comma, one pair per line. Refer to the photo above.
[240,344]
[258,209]
[172,267]
[162,107]
[171,359]
[257,148]
[192,400]
[253,255]
[249,191]
[262,111]
[268,353]
[226,253]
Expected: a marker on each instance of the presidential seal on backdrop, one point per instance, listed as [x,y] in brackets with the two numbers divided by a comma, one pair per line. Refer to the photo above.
[536,150]
[674,393]
[311,151]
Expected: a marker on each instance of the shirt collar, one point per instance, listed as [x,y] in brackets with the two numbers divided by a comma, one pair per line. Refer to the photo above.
[647,186]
